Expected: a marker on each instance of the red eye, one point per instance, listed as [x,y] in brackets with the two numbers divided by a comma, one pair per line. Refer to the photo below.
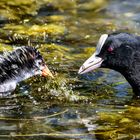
[110,49]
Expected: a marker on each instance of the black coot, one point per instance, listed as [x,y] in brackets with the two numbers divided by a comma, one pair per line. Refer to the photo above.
[120,52]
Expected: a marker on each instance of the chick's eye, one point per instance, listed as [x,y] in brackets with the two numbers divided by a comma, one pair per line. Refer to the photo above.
[39,63]
[110,49]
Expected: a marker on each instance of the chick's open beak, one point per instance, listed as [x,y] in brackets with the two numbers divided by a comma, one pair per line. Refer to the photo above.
[46,72]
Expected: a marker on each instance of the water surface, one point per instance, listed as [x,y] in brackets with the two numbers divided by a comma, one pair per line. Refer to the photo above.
[93,106]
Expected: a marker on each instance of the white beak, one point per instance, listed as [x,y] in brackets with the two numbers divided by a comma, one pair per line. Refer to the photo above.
[94,61]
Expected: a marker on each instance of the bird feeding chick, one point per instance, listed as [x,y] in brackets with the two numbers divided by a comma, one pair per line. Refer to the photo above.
[120,52]
[20,64]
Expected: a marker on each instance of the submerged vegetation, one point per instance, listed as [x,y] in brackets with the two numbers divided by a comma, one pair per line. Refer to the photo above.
[93,106]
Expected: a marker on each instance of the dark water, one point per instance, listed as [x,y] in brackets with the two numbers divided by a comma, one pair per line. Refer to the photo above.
[94,106]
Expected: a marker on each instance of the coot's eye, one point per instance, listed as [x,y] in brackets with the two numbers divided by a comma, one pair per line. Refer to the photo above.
[110,49]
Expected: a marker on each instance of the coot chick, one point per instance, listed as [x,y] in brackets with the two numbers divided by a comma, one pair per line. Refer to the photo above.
[120,52]
[20,64]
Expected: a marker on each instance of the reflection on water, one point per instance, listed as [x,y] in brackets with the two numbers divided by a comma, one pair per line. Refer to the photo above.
[94,106]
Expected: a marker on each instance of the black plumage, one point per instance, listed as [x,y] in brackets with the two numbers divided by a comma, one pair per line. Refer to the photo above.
[120,52]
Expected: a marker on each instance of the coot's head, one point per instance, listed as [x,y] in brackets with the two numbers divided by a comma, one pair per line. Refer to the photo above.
[115,51]
[120,52]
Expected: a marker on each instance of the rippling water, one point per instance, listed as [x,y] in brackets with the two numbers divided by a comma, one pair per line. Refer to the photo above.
[94,106]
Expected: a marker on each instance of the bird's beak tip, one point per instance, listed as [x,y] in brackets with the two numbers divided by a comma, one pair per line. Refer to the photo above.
[80,70]
[46,72]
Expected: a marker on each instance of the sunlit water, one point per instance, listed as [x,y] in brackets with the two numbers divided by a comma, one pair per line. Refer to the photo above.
[23,115]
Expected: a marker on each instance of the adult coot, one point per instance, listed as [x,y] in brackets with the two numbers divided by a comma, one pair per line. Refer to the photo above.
[120,52]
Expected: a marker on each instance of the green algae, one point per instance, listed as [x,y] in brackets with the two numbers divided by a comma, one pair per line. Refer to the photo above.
[34,30]
[16,10]
[22,8]
[66,33]
[120,124]
[4,47]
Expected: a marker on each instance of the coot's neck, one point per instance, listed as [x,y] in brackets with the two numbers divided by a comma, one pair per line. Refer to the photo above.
[134,80]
